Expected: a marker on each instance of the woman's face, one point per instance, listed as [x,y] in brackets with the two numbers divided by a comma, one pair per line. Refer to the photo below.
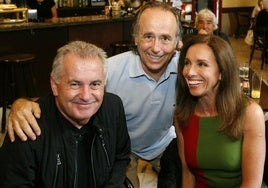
[201,71]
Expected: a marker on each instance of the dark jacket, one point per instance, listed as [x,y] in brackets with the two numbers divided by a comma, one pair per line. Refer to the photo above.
[63,156]
[261,26]
[170,175]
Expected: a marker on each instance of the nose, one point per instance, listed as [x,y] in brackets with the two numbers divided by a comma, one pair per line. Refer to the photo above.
[85,92]
[190,70]
[205,25]
[156,45]
[202,25]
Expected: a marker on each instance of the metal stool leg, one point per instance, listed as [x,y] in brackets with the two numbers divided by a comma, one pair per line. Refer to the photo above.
[4,100]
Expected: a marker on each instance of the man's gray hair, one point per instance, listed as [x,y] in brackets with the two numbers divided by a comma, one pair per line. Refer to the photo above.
[206,13]
[79,48]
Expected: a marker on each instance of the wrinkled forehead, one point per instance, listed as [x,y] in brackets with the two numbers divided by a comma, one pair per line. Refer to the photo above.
[205,19]
[158,17]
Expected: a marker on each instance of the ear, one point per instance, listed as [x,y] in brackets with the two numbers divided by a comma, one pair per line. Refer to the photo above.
[136,40]
[54,86]
[220,76]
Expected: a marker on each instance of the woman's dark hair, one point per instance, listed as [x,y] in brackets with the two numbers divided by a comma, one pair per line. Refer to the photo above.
[229,100]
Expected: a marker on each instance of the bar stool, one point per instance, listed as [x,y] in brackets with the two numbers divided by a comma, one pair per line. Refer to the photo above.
[121,46]
[16,75]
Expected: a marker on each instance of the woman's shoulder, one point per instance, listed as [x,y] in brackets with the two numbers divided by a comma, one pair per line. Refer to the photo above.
[253,107]
[253,114]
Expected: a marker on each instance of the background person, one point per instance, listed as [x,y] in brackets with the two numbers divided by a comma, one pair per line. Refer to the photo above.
[261,26]
[84,141]
[224,144]
[249,39]
[206,24]
[145,80]
[46,9]
[258,7]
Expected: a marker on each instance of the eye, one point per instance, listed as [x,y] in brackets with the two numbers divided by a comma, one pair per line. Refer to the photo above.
[186,62]
[166,39]
[209,23]
[148,37]
[95,85]
[74,85]
[202,64]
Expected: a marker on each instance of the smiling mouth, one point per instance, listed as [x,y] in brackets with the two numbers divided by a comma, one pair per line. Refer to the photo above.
[81,103]
[194,82]
[155,57]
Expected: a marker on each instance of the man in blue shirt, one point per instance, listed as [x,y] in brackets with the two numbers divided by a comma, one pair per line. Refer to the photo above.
[145,80]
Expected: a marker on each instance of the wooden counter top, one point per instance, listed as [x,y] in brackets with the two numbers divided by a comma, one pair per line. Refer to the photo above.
[63,22]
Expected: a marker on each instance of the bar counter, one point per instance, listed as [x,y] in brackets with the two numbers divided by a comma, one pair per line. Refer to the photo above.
[64,22]
[44,38]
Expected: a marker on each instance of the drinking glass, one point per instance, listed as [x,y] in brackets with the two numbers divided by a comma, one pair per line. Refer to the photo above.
[256,82]
[244,70]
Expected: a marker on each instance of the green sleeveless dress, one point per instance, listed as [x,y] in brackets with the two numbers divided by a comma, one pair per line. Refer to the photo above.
[212,156]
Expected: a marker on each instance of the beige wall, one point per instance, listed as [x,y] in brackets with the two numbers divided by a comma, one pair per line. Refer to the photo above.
[238,3]
[228,20]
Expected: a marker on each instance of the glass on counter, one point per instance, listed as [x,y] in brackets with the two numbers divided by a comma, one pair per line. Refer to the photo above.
[256,82]
[244,78]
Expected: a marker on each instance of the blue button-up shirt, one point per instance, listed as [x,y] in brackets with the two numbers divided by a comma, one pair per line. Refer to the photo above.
[148,104]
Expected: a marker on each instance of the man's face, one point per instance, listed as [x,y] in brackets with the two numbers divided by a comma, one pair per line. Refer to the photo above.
[80,92]
[156,40]
[205,26]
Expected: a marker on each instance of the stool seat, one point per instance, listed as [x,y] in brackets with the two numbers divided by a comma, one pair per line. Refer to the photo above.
[16,74]
[16,58]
